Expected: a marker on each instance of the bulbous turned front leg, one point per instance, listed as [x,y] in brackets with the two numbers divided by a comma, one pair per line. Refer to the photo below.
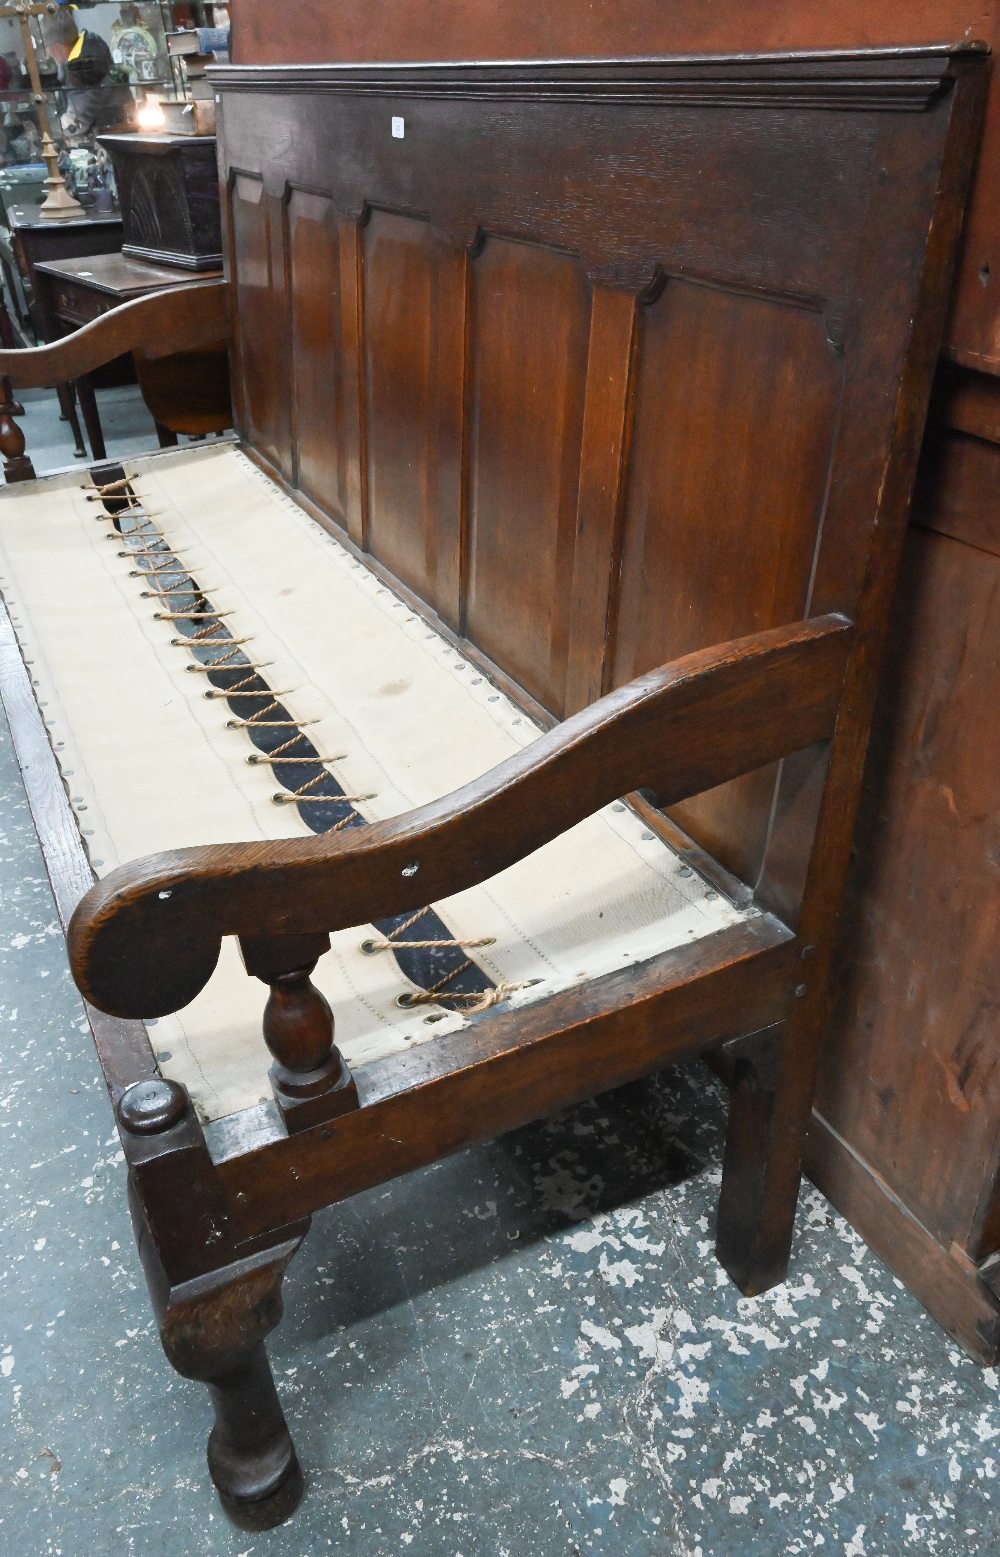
[214,1307]
[16,464]
[213,1330]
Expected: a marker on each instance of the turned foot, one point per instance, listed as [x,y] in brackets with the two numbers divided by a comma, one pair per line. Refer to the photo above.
[251,1457]
[267,1512]
[213,1330]
[16,464]
[213,1317]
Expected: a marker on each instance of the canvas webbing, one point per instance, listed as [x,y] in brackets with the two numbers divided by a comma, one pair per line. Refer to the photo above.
[151,763]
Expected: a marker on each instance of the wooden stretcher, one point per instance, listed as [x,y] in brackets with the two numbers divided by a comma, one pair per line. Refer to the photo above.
[578,409]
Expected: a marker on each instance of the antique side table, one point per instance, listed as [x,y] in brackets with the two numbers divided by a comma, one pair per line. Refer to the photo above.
[72,292]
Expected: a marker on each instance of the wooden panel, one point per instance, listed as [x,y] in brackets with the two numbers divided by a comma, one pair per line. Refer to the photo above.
[530,325]
[916,1084]
[957,490]
[412,319]
[947,1284]
[317,356]
[519,29]
[351,335]
[602,472]
[262,400]
[690,180]
[746,188]
[847,577]
[739,184]
[397,270]
[735,405]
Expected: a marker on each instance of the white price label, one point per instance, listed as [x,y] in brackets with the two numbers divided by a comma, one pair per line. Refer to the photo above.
[398,128]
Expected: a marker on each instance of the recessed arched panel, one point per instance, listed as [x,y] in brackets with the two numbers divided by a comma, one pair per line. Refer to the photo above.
[398,259]
[735,406]
[261,398]
[530,324]
[317,356]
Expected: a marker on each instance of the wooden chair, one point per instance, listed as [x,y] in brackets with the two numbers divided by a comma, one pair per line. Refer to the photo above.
[605,383]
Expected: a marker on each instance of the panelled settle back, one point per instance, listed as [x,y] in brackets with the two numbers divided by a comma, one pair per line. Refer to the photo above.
[579,352]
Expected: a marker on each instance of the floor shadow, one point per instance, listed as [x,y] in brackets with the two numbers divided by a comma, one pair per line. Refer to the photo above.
[433,1226]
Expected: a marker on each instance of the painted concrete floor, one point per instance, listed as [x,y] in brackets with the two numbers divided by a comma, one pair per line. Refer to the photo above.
[128,427]
[526,1351]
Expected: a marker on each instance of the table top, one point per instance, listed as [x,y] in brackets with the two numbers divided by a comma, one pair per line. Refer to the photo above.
[144,140]
[119,276]
[19,218]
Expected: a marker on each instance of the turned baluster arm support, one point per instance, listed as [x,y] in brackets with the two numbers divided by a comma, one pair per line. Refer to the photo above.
[180,319]
[309,1077]
[146,939]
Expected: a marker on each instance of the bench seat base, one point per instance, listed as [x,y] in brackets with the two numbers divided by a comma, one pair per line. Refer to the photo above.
[329,693]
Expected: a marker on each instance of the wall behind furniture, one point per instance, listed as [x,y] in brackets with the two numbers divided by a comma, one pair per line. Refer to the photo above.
[326,31]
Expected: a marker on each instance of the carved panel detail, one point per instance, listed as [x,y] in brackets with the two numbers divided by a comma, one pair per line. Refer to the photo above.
[398,297]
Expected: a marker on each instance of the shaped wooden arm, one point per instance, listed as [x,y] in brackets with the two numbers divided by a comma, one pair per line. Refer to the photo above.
[181,319]
[146,939]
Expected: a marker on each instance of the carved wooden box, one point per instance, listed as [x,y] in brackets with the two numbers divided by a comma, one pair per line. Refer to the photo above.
[168,190]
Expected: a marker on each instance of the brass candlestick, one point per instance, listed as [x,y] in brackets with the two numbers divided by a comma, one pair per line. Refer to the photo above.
[59,205]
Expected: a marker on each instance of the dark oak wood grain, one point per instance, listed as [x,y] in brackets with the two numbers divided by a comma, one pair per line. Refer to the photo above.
[759,477]
[317,367]
[956,499]
[921,1026]
[517,1066]
[661,383]
[352,30]
[528,349]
